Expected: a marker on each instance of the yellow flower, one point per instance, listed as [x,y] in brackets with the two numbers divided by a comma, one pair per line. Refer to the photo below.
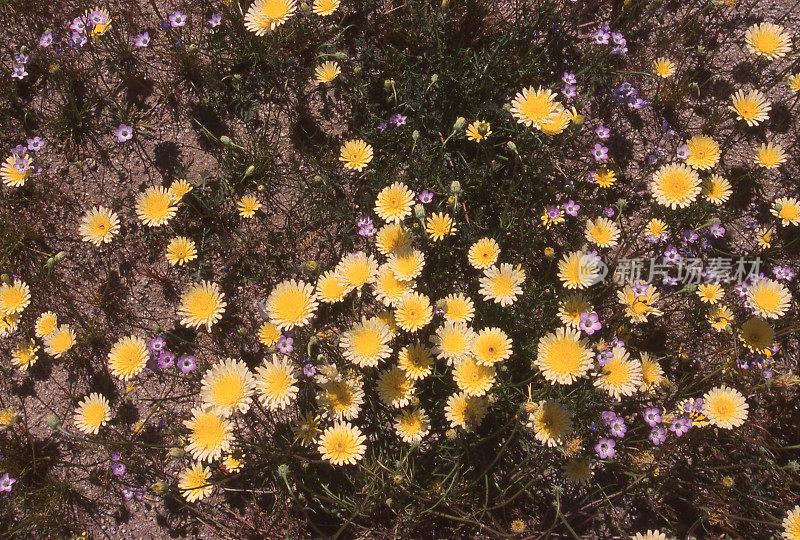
[14,177]
[675,185]
[24,355]
[327,71]
[406,263]
[391,237]
[99,29]
[202,305]
[716,189]
[266,15]
[181,250]
[342,444]
[356,154]
[620,376]
[478,130]
[793,82]
[534,107]
[491,345]
[578,470]
[342,398]
[791,524]
[412,426]
[720,318]
[605,178]
[768,40]
[306,428]
[768,298]
[457,308]
[474,378]
[502,285]
[416,360]
[787,209]
[155,206]
[46,324]
[652,374]
[276,383]
[439,225]
[388,288]
[563,357]
[395,388]
[367,343]
[651,534]
[329,289]
[710,293]
[227,388]
[572,307]
[193,482]
[291,303]
[14,297]
[656,228]
[413,311]
[179,188]
[128,357]
[639,307]
[465,411]
[704,152]
[602,232]
[210,435]
[92,414]
[725,407]
[578,270]
[483,253]
[764,237]
[325,7]
[60,341]
[453,342]
[557,123]
[248,206]
[268,334]
[664,68]
[757,335]
[551,422]
[770,155]
[394,202]
[356,270]
[99,225]
[8,324]
[751,107]
[518,526]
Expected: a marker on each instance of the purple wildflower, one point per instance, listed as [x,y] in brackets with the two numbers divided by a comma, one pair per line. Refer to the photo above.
[690,236]
[166,359]
[657,435]
[309,370]
[177,19]
[569,90]
[652,416]
[671,255]
[716,230]
[123,133]
[683,152]
[680,425]
[97,18]
[589,323]
[602,132]
[608,416]
[142,40]
[19,150]
[215,20]
[6,482]
[398,120]
[285,344]
[78,25]
[118,468]
[601,35]
[187,363]
[604,356]
[157,343]
[571,208]
[569,78]
[18,72]
[35,144]
[46,40]
[608,211]
[127,493]
[78,39]
[21,58]
[425,196]
[618,427]
[116,455]
[600,152]
[605,448]
[382,126]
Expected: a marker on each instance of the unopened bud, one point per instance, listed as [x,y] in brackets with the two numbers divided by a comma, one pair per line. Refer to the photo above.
[250,170]
[434,78]
[177,452]
[60,256]
[459,123]
[226,140]
[415,135]
[53,422]
[511,146]
[455,187]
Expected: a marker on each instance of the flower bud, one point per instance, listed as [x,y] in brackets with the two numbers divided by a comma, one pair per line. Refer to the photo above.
[226,140]
[177,452]
[455,187]
[53,422]
[250,170]
[60,256]
[511,146]
[419,211]
[434,78]
[415,135]
[459,123]
[160,487]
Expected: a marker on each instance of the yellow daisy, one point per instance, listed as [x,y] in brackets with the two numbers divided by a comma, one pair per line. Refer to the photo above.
[394,202]
[638,307]
[194,482]
[356,270]
[620,376]
[557,123]
[266,15]
[787,209]
[155,206]
[752,107]
[227,388]
[534,107]
[465,411]
[102,27]
[602,232]
[725,407]
[291,303]
[329,289]
[391,237]
[578,270]
[202,305]
[406,263]
[99,225]
[439,225]
[716,189]
[704,152]
[128,357]
[342,444]
[327,71]
[710,293]
[413,311]
[491,345]
[562,356]
[768,298]
[478,130]
[355,154]
[650,535]
[181,250]
[793,82]
[268,334]
[46,324]
[770,155]
[652,374]
[572,307]
[209,435]
[14,297]
[502,285]
[412,426]
[395,388]
[13,177]
[306,428]
[551,422]
[179,188]
[791,524]
[757,335]
[388,288]
[92,414]
[60,341]
[453,342]
[664,68]
[276,383]
[24,355]
[367,343]
[325,7]
[656,228]
[342,398]
[768,40]
[675,185]
[248,206]
[416,360]
[474,378]
[8,324]
[457,307]
[483,253]
[720,318]
[605,178]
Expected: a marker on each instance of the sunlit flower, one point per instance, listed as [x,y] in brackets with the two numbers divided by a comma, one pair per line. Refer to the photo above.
[248,206]
[770,155]
[413,311]
[327,71]
[453,342]
[179,188]
[60,341]
[720,318]
[268,334]
[605,178]
[24,354]
[483,253]
[651,534]
[209,435]
[704,152]
[664,68]
[99,225]
[620,376]
[356,270]
[639,304]
[14,297]
[768,298]
[8,324]
[439,225]
[367,343]
[416,360]
[291,303]
[791,524]
[329,289]
[391,237]
[551,422]
[652,374]
[473,378]
[465,411]
[478,130]
[787,209]
[276,383]
[502,284]
[306,428]
[757,335]
[394,202]
[491,345]
[202,305]
[395,388]
[725,407]
[675,185]
[342,398]
[227,388]
[752,107]
[92,414]
[406,263]
[342,444]
[768,40]
[656,229]
[325,7]
[457,307]
[794,82]
[557,123]
[572,307]
[155,206]
[15,170]
[266,15]
[602,232]
[181,250]
[193,482]
[356,154]
[716,189]
[46,324]
[578,270]
[388,288]
[710,293]
[534,107]
[128,357]
[412,426]
[562,356]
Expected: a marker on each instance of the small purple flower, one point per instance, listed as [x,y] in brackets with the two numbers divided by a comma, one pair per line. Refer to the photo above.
[602,35]
[138,493]
[127,493]
[309,370]
[669,281]
[215,20]
[18,72]
[690,236]
[671,255]
[657,435]
[78,39]
[569,91]
[683,152]
[142,40]
[21,58]
[46,40]
[22,164]
[608,416]
[637,103]
[78,24]
[600,152]
[35,144]
[398,120]
[571,208]
[608,211]
[368,231]
[97,18]
[680,425]
[285,344]
[569,78]
[605,448]
[425,196]
[6,482]
[118,468]
[618,38]
[716,230]
[602,132]
[123,133]
[116,455]
[590,323]
[177,19]
[639,289]
[603,357]
[166,359]
[382,126]
[767,373]
[19,150]
[618,427]
[187,363]
[652,416]
[784,273]
[157,343]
